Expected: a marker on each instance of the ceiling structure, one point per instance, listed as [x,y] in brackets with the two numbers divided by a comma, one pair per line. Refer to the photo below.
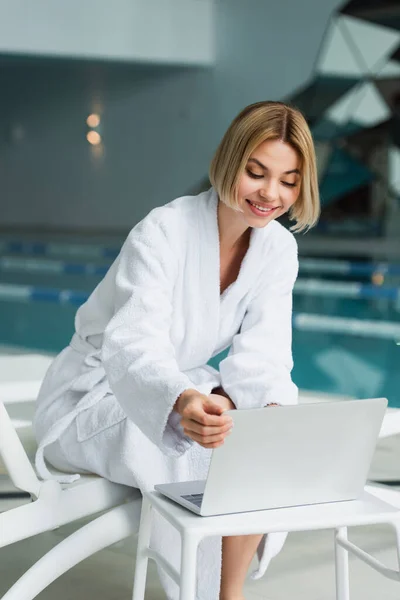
[353,101]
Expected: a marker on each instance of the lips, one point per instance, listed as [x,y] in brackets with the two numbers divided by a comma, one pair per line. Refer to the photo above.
[260,208]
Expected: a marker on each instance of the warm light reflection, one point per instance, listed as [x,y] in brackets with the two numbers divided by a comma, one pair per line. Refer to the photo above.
[93,138]
[93,120]
[378,279]
[98,152]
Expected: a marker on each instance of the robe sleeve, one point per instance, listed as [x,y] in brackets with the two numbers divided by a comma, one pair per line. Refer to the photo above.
[204,378]
[257,370]
[137,352]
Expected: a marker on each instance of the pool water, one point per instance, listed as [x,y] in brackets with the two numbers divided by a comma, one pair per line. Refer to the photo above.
[334,363]
[328,362]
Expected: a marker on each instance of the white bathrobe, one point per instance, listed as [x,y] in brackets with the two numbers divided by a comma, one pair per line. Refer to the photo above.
[146,334]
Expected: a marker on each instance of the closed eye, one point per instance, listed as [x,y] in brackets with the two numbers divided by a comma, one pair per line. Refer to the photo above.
[254,175]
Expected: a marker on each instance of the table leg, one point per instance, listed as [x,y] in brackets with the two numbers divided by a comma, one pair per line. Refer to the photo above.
[142,559]
[342,567]
[188,567]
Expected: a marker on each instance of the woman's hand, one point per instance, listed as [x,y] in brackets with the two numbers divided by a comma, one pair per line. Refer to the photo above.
[224,401]
[203,419]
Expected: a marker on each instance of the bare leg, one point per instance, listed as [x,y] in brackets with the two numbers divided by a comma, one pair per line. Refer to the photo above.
[237,554]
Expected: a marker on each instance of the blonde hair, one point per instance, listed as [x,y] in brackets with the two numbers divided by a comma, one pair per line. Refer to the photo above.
[256,124]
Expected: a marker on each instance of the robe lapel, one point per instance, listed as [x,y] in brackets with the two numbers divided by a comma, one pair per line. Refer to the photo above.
[208,248]
[219,313]
[250,270]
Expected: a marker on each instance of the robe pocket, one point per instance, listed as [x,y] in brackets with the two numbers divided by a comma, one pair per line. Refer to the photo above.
[106,413]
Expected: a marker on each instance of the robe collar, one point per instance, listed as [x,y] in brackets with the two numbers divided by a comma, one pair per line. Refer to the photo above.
[252,263]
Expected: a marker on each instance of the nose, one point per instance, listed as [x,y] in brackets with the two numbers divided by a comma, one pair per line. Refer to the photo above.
[269,191]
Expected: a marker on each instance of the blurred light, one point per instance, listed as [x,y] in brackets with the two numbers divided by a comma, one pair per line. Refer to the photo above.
[93,120]
[397,343]
[93,138]
[378,278]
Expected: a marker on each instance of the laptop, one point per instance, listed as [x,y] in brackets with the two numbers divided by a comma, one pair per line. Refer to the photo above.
[287,456]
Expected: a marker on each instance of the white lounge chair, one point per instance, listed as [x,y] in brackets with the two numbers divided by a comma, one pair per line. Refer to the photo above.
[54,505]
[21,374]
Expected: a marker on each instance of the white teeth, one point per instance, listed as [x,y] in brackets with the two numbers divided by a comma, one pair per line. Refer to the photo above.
[261,207]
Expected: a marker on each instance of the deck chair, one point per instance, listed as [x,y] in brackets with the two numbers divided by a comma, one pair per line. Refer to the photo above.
[391,423]
[53,505]
[21,374]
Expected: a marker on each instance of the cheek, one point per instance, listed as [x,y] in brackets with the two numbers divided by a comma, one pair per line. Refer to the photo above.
[290,196]
[246,187]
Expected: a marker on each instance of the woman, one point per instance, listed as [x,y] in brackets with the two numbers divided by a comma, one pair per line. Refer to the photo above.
[132,397]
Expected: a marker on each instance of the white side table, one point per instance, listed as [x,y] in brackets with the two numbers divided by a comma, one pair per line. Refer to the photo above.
[193,528]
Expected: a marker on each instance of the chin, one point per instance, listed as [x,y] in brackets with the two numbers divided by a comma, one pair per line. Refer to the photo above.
[259,223]
[255,224]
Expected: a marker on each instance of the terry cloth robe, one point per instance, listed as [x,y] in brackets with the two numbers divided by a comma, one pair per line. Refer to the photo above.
[146,334]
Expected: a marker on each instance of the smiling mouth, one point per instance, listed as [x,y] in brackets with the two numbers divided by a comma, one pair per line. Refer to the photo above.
[262,208]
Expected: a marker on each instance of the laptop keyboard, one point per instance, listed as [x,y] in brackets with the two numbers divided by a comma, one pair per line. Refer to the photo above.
[194,499]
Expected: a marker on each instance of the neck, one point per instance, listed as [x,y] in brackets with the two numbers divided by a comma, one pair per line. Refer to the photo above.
[233,231]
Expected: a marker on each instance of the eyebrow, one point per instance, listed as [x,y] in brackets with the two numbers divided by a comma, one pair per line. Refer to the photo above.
[296,171]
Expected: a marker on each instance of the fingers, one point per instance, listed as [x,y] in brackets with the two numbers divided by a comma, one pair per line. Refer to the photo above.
[208,437]
[212,441]
[223,401]
[201,424]
[193,427]
[198,414]
[204,422]
[213,407]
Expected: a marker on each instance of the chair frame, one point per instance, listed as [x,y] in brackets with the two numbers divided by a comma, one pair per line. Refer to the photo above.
[54,505]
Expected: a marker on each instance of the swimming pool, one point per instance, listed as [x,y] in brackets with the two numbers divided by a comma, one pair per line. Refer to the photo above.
[327,361]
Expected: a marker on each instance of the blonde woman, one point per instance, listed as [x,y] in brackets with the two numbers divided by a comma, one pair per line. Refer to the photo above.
[132,397]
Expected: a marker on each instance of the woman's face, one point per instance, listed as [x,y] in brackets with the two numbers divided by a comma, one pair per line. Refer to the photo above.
[270,184]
